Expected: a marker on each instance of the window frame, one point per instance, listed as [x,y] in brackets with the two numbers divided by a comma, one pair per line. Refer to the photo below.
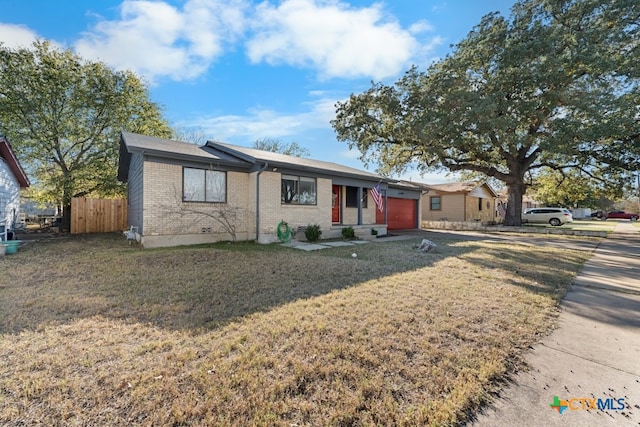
[431,204]
[350,199]
[298,180]
[207,196]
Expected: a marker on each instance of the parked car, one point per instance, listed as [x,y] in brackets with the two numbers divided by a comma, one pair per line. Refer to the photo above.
[622,215]
[553,216]
[597,214]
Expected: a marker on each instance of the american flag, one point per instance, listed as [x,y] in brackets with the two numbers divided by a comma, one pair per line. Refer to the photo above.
[377,197]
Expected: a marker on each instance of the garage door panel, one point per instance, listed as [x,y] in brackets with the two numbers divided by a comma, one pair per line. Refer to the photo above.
[401,213]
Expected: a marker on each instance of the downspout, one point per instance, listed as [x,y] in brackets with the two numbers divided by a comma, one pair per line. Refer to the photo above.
[266,165]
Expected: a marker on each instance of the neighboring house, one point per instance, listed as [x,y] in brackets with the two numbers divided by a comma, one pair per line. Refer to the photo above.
[501,203]
[181,193]
[12,179]
[528,202]
[459,202]
[35,212]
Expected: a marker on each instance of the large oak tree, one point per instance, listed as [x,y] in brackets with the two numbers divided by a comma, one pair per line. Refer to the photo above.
[63,116]
[555,86]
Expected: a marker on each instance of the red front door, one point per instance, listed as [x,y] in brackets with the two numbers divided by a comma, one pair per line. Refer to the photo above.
[335,204]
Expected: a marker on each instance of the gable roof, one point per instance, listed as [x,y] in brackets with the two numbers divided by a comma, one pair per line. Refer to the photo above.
[261,157]
[166,148]
[249,159]
[6,152]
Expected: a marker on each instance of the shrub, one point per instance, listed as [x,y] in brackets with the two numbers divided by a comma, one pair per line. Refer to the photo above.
[348,233]
[313,232]
[374,232]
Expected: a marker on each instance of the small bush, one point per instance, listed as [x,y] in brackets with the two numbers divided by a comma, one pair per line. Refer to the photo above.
[374,232]
[348,233]
[313,232]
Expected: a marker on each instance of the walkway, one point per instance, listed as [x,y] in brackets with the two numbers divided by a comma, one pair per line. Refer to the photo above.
[594,354]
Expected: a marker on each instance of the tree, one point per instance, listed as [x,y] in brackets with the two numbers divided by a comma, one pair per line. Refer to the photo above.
[64,115]
[555,86]
[289,188]
[277,146]
[194,136]
[572,188]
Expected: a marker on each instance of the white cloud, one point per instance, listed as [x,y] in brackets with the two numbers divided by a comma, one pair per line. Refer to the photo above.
[157,39]
[339,40]
[421,26]
[353,154]
[258,123]
[439,7]
[16,36]
[266,123]
[429,178]
[161,39]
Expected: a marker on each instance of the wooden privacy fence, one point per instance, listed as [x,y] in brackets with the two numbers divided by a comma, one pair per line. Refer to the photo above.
[98,215]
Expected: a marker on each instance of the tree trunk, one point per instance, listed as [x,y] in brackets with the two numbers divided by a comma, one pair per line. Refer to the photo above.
[66,218]
[515,191]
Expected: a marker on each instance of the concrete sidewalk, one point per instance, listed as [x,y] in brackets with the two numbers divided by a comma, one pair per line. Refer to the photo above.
[594,354]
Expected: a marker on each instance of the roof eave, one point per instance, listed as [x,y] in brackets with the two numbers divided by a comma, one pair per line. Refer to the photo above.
[126,151]
[14,164]
[258,161]
[232,152]
[322,171]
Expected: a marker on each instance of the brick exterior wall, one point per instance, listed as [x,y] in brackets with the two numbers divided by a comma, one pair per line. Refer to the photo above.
[169,221]
[155,203]
[350,215]
[272,211]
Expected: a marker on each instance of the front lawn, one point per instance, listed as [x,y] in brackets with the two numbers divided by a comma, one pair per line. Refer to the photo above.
[591,225]
[96,332]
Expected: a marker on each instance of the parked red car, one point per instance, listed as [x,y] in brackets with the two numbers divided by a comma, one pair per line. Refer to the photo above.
[622,215]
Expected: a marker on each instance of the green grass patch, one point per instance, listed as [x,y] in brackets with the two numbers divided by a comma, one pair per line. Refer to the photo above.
[95,331]
[591,225]
[577,225]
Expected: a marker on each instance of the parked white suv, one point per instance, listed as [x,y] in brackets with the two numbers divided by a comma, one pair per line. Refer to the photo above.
[553,216]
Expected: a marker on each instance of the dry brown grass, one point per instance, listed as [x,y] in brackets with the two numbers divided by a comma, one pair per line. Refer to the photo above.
[95,332]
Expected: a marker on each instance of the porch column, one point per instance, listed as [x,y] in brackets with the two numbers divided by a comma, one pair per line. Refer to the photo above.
[359,205]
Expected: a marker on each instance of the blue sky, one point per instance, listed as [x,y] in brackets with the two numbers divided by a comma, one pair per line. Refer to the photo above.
[240,70]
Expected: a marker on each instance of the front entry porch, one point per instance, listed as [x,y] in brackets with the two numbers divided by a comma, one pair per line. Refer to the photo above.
[362,232]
